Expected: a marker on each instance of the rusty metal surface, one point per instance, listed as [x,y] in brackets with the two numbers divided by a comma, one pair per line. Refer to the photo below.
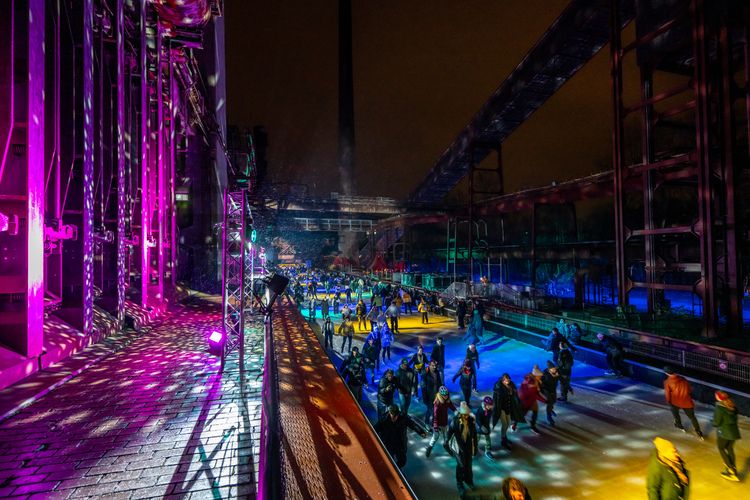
[328,447]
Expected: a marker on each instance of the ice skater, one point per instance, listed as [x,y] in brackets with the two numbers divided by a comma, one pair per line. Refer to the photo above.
[677,393]
[727,432]
[468,379]
[463,432]
[483,417]
[392,431]
[440,408]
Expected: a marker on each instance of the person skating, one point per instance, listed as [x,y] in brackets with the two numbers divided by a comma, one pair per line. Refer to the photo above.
[324,307]
[422,308]
[386,339]
[475,332]
[353,371]
[377,341]
[468,379]
[387,388]
[372,316]
[483,418]
[430,382]
[346,330]
[615,355]
[311,309]
[565,370]
[392,313]
[440,407]
[530,396]
[346,313]
[514,489]
[328,331]
[438,354]
[419,361]
[461,313]
[361,311]
[371,355]
[668,477]
[507,407]
[550,379]
[473,355]
[407,382]
[553,343]
[406,298]
[677,393]
[463,432]
[392,431]
[727,432]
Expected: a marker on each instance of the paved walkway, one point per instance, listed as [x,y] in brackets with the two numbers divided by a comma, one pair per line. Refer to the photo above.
[155,419]
[599,448]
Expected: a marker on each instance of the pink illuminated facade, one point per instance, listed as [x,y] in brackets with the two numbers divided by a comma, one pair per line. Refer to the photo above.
[100,102]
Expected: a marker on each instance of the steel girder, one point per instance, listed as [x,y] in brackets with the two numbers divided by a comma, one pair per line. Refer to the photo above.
[573,39]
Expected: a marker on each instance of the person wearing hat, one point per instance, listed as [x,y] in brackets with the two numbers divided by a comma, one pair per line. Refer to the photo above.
[667,476]
[438,354]
[328,330]
[407,382]
[468,378]
[430,381]
[727,432]
[549,381]
[677,393]
[483,418]
[473,355]
[371,353]
[530,395]
[463,432]
[392,431]
[440,408]
[353,371]
[387,388]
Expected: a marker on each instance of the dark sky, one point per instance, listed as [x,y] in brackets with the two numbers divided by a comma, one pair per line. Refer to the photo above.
[421,71]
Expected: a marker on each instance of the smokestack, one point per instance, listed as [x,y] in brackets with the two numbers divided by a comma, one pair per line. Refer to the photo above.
[346,99]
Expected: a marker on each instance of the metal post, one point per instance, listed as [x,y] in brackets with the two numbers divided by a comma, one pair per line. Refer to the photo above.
[35,179]
[471,214]
[533,245]
[145,209]
[270,482]
[121,188]
[161,188]
[87,229]
[647,157]
[703,160]
[615,46]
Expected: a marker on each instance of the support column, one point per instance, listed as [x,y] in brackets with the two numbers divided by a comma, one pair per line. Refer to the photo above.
[703,160]
[121,185]
[87,221]
[35,181]
[145,208]
[615,46]
[161,189]
[647,157]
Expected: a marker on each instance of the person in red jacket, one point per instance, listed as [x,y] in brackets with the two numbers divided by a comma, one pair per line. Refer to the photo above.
[530,394]
[440,417]
[677,394]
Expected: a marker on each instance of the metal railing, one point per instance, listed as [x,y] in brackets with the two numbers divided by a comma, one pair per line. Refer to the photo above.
[270,478]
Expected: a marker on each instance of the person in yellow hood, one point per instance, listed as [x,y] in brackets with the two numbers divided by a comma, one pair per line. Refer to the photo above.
[667,476]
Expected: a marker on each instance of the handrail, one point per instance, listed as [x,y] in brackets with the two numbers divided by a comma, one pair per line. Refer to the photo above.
[270,478]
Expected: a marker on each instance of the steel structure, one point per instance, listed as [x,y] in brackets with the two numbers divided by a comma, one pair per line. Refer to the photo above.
[689,143]
[580,31]
[93,134]
[237,272]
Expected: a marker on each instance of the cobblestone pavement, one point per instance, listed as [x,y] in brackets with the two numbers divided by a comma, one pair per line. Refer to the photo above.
[155,419]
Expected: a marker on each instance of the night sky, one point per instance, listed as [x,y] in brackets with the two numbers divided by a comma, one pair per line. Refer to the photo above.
[421,71]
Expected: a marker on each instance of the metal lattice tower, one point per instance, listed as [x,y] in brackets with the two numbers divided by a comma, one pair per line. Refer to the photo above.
[237,271]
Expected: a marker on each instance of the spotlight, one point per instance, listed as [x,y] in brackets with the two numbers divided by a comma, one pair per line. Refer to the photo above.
[216,343]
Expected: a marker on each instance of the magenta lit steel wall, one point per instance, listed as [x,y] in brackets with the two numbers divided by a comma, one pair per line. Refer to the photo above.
[89,131]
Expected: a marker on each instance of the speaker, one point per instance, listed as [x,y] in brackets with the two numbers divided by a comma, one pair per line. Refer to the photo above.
[277,284]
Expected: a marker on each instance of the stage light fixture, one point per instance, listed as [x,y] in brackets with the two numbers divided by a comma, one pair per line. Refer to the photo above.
[216,342]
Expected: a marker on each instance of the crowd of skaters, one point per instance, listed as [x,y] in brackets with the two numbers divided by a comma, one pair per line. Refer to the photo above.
[459,427]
